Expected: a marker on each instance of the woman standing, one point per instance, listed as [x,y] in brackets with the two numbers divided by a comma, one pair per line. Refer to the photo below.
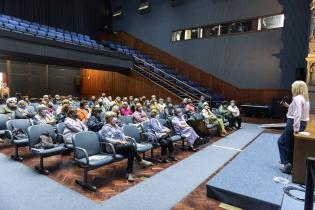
[297,117]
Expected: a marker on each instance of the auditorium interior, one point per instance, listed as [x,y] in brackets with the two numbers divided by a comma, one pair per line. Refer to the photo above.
[157,104]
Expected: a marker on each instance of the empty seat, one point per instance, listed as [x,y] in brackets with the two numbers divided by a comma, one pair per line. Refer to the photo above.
[4,20]
[34,27]
[7,17]
[20,29]
[51,35]
[16,19]
[34,133]
[13,22]
[31,31]
[9,26]
[24,25]
[88,155]
[18,140]
[41,33]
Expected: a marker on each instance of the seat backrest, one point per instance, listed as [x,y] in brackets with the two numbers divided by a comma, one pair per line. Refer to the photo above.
[36,130]
[132,131]
[163,122]
[87,140]
[3,120]
[126,119]
[146,126]
[198,116]
[60,127]
[19,124]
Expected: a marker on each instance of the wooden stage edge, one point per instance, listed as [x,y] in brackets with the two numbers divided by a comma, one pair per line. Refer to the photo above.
[304,146]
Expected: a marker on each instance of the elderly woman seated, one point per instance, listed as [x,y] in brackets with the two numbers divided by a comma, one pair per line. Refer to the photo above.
[139,115]
[213,119]
[112,133]
[163,137]
[184,129]
[9,108]
[72,126]
[125,110]
[23,111]
[190,108]
[43,117]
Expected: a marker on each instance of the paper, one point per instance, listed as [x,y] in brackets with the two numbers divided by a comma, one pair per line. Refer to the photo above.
[304,133]
[96,157]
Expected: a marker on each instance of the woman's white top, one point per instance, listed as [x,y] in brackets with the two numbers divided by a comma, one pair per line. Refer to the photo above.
[299,110]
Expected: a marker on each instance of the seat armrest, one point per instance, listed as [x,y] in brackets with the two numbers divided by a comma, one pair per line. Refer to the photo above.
[132,140]
[151,136]
[59,138]
[9,134]
[86,156]
[109,147]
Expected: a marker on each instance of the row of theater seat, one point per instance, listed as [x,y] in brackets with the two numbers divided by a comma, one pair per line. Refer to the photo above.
[86,145]
[156,67]
[43,31]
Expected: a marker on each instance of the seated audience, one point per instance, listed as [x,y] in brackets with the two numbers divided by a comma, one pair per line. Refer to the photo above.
[9,108]
[118,101]
[139,115]
[23,111]
[163,137]
[116,110]
[235,114]
[83,111]
[153,105]
[92,101]
[94,122]
[130,100]
[183,103]
[190,108]
[43,117]
[169,110]
[63,114]
[101,104]
[133,105]
[125,109]
[161,105]
[72,126]
[213,119]
[57,100]
[45,100]
[63,103]
[113,134]
[201,103]
[182,128]
[226,114]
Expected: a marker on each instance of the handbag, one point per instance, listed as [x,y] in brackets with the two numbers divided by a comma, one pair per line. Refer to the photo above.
[45,142]
[19,133]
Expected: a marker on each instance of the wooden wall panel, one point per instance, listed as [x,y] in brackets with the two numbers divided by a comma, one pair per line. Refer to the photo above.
[95,82]
[220,87]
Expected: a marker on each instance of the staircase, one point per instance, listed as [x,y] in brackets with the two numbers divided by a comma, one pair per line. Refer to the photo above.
[164,76]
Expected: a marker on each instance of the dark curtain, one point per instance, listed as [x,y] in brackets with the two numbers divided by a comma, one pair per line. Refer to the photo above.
[81,16]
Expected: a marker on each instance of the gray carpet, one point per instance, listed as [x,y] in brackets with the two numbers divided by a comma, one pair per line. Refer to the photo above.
[247,182]
[21,188]
[168,187]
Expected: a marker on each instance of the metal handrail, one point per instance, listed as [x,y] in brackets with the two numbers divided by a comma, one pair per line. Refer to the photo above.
[186,93]
[171,76]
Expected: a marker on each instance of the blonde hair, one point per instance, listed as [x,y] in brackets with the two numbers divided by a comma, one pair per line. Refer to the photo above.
[299,87]
[108,115]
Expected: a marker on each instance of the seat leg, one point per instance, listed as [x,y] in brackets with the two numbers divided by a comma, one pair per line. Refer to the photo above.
[183,144]
[41,168]
[16,155]
[85,183]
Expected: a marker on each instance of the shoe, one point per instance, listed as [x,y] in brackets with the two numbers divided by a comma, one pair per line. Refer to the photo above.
[193,149]
[164,159]
[145,163]
[287,168]
[130,178]
[172,158]
[1,140]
